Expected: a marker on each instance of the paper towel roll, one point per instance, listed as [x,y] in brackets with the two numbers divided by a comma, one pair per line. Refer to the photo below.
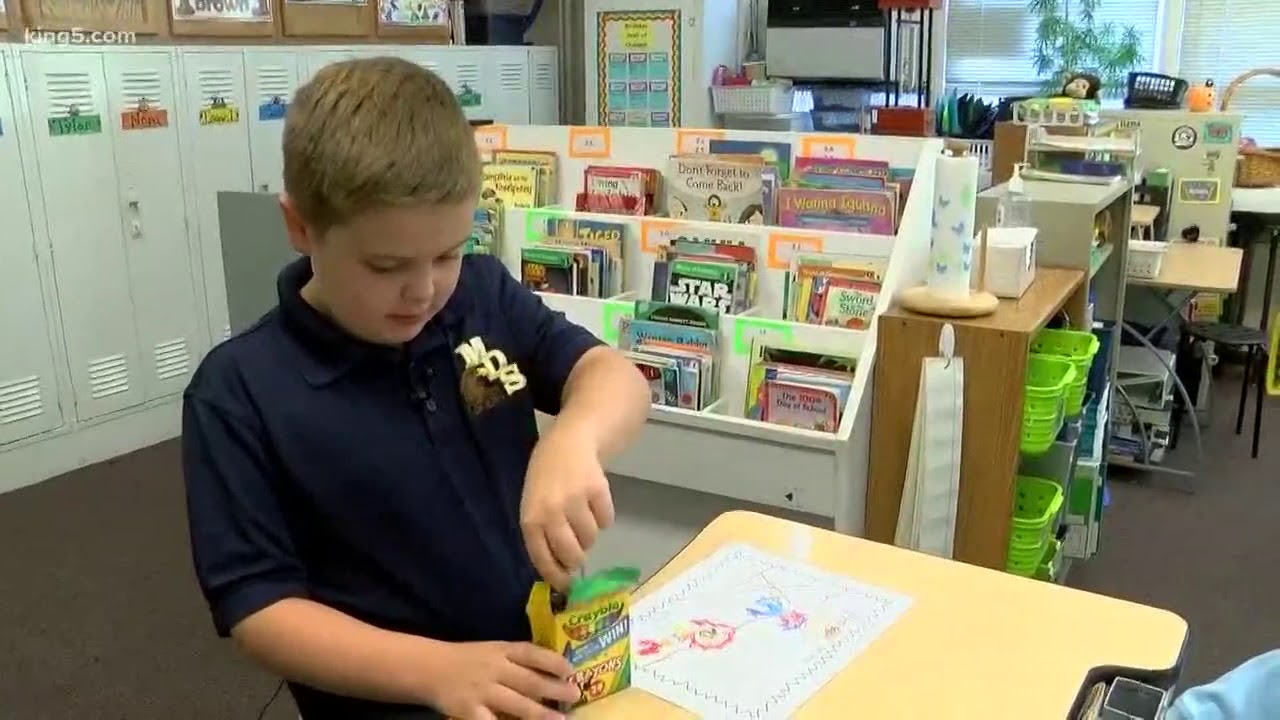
[952,244]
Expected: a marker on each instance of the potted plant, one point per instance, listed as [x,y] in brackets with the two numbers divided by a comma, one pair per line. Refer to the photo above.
[1070,40]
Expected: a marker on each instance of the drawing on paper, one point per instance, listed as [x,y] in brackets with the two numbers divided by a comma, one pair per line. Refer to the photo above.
[747,634]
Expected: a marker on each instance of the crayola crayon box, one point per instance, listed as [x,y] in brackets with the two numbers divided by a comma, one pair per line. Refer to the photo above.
[594,633]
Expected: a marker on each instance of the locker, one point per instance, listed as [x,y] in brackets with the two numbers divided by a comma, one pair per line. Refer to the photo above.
[68,106]
[471,74]
[29,402]
[316,59]
[544,90]
[142,97]
[509,89]
[436,59]
[272,79]
[216,156]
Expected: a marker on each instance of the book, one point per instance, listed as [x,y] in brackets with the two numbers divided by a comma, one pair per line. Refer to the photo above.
[790,385]
[776,154]
[702,187]
[865,211]
[548,164]
[510,185]
[813,278]
[801,405]
[544,269]
[601,239]
[655,345]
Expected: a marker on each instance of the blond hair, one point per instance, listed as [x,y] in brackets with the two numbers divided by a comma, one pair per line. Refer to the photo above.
[372,133]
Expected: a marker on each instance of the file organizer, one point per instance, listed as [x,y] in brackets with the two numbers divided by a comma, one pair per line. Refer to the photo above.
[716,450]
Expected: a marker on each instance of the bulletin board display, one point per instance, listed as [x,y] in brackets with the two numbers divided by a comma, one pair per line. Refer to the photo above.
[235,18]
[638,63]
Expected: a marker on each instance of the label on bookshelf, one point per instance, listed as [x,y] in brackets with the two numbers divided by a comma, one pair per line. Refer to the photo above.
[590,142]
[828,147]
[784,246]
[696,141]
[535,223]
[610,315]
[655,233]
[747,329]
[491,137]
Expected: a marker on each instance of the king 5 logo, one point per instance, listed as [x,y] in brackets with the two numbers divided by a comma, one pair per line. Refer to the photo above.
[491,365]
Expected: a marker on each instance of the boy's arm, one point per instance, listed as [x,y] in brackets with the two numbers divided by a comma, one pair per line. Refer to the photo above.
[254,584]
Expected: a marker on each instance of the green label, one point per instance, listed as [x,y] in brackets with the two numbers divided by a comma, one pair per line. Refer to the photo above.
[611,314]
[75,125]
[535,224]
[746,329]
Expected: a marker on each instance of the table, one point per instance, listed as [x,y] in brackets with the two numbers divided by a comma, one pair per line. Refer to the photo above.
[975,643]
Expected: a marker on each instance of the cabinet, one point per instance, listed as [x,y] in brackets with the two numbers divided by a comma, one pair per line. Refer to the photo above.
[28,389]
[544,94]
[272,78]
[217,158]
[116,214]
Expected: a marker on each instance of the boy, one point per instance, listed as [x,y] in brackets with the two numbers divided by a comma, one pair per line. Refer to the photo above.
[369,499]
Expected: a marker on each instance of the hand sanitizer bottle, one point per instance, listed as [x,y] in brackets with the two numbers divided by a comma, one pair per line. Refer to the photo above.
[1014,209]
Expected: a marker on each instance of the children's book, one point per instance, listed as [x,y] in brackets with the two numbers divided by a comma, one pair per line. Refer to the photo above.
[547,163]
[486,231]
[603,241]
[788,372]
[702,187]
[776,154]
[689,349]
[511,185]
[800,405]
[662,374]
[678,314]
[864,211]
[809,282]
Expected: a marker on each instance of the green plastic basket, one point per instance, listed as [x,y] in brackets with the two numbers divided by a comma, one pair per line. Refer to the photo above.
[1048,379]
[1076,347]
[1036,504]
[1045,570]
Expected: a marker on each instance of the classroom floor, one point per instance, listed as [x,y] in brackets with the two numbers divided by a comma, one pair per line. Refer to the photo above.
[100,617]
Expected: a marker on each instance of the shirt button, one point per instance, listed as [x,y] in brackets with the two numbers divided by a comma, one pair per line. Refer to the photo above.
[430,405]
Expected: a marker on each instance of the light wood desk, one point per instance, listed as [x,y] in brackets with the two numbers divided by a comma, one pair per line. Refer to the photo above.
[1197,267]
[975,643]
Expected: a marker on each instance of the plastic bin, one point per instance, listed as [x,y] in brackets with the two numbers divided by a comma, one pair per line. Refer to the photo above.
[1076,347]
[1036,504]
[1043,401]
[1145,258]
[774,99]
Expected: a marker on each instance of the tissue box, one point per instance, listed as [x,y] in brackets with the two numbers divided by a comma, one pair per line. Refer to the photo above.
[1011,262]
[594,636]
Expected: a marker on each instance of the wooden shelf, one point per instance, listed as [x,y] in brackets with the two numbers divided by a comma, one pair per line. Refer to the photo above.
[1047,295]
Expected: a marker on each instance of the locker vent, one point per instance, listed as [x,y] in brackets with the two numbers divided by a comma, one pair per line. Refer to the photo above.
[142,86]
[20,400]
[226,332]
[544,77]
[68,90]
[512,76]
[216,83]
[274,82]
[172,359]
[469,75]
[431,65]
[108,376]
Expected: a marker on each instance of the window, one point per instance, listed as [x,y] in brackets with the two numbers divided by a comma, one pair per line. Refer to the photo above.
[1221,39]
[990,42]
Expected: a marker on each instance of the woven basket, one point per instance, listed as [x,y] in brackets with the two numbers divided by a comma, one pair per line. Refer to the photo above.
[1258,167]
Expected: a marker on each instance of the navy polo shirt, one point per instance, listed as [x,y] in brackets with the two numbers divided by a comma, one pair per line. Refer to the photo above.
[319,466]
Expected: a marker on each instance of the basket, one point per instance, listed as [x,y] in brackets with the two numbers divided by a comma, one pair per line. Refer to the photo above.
[773,99]
[1048,379]
[1076,347]
[1153,91]
[1145,258]
[1257,167]
[1035,505]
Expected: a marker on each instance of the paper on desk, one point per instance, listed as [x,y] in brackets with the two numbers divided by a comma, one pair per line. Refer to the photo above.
[747,634]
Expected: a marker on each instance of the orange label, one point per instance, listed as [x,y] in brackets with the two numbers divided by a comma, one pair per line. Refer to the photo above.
[828,147]
[657,232]
[696,141]
[784,246]
[590,142]
[144,119]
[491,137]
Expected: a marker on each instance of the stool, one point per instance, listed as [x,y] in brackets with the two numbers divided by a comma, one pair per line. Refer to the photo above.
[1254,344]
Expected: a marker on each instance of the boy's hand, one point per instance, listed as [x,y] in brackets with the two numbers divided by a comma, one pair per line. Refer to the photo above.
[487,680]
[566,503]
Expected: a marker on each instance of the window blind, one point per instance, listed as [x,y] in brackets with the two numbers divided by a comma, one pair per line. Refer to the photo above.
[1222,39]
[990,43]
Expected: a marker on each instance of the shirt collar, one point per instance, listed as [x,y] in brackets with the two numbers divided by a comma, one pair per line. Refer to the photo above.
[329,351]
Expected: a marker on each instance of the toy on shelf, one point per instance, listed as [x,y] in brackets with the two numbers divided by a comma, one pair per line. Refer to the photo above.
[1202,98]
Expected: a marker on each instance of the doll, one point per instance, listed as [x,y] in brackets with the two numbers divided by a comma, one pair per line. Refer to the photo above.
[1082,86]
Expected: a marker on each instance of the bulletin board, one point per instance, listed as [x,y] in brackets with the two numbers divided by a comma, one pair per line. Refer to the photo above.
[426,20]
[327,18]
[638,64]
[222,18]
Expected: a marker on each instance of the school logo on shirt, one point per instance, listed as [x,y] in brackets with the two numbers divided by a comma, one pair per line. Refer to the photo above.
[487,377]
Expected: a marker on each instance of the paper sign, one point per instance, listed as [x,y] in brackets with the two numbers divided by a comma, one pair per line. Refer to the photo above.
[219,113]
[590,142]
[144,119]
[535,224]
[696,141]
[75,124]
[491,137]
[1199,191]
[1273,364]
[784,246]
[747,329]
[611,315]
[656,233]
[274,109]
[222,10]
[827,147]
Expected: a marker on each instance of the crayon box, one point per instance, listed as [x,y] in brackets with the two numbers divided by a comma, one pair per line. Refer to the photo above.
[594,635]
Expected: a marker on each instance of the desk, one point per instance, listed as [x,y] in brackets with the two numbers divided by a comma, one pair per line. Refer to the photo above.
[975,643]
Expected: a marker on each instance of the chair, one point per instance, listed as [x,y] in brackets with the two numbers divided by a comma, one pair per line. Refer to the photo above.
[1253,343]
